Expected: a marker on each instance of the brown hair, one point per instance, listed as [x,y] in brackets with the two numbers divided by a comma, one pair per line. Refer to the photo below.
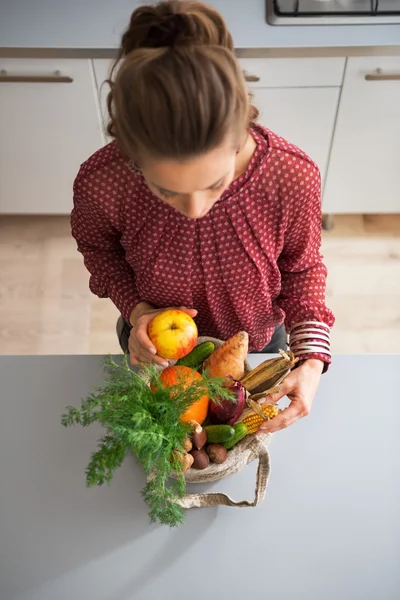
[178,88]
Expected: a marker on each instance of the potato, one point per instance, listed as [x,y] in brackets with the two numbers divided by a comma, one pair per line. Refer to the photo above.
[201,459]
[217,453]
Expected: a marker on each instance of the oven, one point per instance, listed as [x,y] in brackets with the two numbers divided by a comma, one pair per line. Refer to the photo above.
[332,12]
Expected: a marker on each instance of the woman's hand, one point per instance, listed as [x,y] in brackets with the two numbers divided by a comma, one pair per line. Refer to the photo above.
[141,349]
[300,387]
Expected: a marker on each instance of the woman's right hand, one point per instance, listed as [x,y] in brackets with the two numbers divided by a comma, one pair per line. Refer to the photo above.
[141,349]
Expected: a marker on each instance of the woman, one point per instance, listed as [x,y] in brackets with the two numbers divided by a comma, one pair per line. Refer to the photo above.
[195,205]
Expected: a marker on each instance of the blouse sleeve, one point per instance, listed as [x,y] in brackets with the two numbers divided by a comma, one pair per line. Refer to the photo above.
[99,242]
[303,273]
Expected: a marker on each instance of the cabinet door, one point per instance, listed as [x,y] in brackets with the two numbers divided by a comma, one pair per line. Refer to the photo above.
[49,124]
[303,116]
[102,69]
[364,169]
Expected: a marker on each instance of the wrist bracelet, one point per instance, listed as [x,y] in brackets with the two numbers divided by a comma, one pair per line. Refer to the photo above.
[310,337]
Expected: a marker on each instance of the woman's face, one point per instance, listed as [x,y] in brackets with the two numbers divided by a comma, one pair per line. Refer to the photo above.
[192,187]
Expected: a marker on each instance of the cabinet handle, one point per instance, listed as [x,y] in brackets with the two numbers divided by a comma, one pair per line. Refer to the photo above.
[55,78]
[380,76]
[251,78]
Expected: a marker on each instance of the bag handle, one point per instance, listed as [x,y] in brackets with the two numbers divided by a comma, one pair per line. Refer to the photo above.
[219,499]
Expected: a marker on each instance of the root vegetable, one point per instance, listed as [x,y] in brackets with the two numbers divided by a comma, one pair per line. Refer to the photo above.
[217,453]
[199,439]
[228,411]
[201,459]
[186,459]
[229,358]
[187,445]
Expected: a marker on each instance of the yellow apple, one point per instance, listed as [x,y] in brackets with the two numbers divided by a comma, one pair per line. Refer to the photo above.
[173,333]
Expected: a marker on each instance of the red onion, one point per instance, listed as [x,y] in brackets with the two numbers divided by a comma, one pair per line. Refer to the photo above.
[228,411]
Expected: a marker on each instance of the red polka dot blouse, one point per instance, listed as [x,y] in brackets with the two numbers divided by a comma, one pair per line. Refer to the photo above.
[252,263]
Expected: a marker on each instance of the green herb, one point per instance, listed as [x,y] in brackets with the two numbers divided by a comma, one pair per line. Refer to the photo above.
[147,423]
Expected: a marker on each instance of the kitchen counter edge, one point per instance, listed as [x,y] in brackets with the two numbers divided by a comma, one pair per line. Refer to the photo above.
[299,52]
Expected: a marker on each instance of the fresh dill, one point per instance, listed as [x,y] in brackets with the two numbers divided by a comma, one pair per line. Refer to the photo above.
[146,422]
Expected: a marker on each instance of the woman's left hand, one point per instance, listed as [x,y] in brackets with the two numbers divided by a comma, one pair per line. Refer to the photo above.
[300,387]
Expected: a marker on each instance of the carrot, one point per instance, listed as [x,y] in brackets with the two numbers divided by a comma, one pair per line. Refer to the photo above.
[229,358]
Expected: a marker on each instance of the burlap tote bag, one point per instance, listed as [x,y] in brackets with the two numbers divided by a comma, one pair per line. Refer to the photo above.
[252,447]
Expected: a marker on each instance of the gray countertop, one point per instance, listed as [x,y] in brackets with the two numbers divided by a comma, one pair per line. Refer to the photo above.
[98,24]
[329,527]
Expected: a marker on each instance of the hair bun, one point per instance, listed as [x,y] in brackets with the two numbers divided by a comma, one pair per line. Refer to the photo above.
[159,27]
[175,29]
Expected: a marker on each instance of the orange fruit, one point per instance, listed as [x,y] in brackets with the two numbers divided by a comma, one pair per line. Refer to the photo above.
[184,375]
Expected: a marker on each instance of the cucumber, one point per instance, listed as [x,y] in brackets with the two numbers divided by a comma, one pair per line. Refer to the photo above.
[197,356]
[240,432]
[218,434]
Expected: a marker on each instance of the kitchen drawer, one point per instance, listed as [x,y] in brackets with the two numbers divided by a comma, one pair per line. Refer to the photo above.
[294,72]
[49,125]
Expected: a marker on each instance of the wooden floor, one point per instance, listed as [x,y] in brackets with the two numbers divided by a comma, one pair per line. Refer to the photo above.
[46,306]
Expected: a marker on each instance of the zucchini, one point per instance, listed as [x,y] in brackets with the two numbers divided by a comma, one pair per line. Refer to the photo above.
[240,432]
[197,356]
[218,434]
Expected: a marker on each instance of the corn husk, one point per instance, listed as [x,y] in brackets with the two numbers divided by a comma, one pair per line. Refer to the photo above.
[269,374]
[255,408]
[262,395]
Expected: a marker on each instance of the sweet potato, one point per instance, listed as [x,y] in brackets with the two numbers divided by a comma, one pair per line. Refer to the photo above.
[229,358]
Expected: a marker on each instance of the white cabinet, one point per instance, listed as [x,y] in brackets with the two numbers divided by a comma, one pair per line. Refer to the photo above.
[102,70]
[49,124]
[298,99]
[364,169]
[304,116]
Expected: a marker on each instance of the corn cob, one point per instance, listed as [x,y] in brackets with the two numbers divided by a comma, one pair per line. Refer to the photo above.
[253,419]
[269,373]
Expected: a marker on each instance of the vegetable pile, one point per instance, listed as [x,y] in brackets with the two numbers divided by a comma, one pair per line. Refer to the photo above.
[227,421]
[191,414]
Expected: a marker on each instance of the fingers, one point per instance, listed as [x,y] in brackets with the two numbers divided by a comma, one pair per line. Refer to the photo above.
[139,354]
[141,349]
[133,359]
[192,312]
[296,410]
[141,357]
[284,389]
[286,418]
[139,331]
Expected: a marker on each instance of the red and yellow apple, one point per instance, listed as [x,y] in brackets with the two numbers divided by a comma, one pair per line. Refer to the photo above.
[173,334]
